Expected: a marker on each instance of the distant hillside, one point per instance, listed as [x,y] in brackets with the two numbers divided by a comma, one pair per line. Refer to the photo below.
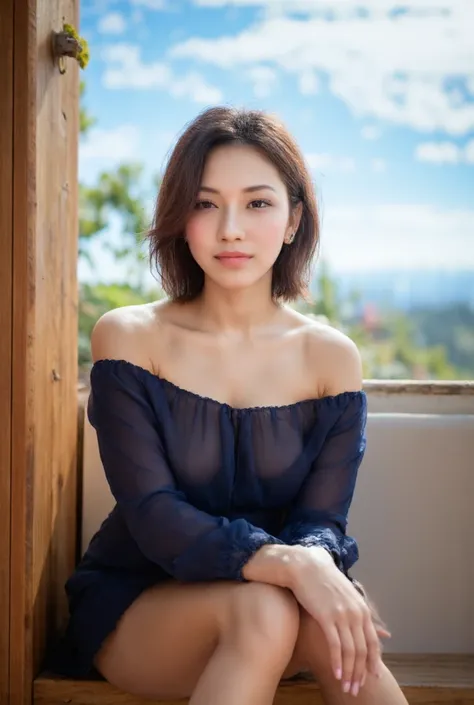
[452,327]
[407,290]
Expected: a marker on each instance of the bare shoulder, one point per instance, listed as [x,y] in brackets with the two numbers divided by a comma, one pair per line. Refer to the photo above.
[124,333]
[335,358]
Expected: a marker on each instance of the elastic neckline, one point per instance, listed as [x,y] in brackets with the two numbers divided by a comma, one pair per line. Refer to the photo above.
[328,399]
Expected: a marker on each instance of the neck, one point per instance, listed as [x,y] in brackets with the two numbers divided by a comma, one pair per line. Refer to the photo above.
[239,311]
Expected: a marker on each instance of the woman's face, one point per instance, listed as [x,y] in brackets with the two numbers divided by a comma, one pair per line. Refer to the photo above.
[241,217]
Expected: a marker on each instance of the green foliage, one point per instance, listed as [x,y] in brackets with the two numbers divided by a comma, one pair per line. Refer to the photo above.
[115,193]
[407,357]
[84,55]
[452,328]
[86,121]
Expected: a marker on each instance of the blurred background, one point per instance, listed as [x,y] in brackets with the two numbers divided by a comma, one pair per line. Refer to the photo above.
[380,98]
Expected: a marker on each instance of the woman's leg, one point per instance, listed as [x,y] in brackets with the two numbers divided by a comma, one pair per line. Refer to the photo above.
[311,652]
[218,642]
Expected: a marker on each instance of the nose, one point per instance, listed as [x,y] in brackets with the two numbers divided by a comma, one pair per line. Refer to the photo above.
[231,229]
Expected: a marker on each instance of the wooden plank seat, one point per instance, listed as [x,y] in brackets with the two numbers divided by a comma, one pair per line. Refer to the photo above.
[426,679]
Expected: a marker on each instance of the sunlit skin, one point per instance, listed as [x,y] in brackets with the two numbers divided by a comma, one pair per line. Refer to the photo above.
[246,209]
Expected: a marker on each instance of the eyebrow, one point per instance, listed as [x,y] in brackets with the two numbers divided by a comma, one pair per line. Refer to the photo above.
[248,189]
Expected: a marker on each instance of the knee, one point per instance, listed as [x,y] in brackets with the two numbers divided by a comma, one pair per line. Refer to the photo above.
[264,615]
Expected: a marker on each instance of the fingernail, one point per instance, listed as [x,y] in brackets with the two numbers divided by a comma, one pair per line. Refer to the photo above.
[355,689]
[339,674]
[346,688]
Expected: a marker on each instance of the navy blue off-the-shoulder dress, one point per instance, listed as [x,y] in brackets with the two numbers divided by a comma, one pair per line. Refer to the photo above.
[200,486]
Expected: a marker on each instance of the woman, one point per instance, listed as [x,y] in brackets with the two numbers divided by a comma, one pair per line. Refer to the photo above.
[231,429]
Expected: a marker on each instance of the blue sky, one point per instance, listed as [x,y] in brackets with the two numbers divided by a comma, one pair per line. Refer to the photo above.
[380,100]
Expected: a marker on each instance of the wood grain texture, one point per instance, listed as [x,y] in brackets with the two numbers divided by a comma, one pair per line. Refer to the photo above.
[425,680]
[6,230]
[413,386]
[24,179]
[44,366]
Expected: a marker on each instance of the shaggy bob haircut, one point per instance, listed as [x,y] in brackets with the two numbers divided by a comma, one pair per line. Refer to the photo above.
[181,277]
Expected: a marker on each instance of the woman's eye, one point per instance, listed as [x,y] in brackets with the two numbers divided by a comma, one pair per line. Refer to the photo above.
[261,200]
[205,205]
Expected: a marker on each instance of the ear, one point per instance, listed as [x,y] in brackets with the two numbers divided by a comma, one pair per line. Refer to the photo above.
[296,215]
[294,223]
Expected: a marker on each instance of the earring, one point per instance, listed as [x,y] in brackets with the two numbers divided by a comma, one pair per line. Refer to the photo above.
[290,239]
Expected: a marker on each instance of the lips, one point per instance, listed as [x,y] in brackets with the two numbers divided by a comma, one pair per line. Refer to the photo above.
[233,255]
[233,259]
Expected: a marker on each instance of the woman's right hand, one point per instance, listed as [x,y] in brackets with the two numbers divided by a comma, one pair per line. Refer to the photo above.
[340,610]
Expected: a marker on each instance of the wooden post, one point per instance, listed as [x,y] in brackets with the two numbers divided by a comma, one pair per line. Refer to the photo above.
[6,198]
[39,130]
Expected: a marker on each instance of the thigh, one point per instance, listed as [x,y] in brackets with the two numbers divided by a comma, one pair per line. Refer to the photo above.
[164,640]
[300,662]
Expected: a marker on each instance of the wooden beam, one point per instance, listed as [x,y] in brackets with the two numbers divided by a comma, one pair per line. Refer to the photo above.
[6,230]
[24,223]
[44,364]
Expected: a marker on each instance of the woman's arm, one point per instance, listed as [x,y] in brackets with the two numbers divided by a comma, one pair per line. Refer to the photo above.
[280,564]
[318,516]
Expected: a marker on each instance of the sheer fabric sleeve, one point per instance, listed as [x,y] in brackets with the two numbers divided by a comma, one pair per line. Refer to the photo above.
[189,544]
[318,517]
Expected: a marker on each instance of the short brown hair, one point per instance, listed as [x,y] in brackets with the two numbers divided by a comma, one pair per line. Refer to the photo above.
[181,277]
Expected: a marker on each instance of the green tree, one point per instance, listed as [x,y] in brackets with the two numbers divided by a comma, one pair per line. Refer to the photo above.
[116,194]
[86,121]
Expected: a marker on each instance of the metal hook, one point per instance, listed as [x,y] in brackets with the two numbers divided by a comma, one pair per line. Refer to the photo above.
[65,45]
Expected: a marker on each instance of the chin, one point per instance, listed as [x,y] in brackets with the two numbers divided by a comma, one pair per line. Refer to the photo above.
[235,285]
[237,281]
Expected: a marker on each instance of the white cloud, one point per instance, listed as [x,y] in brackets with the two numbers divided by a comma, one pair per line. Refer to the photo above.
[112,23]
[309,82]
[390,236]
[445,152]
[340,6]
[125,69]
[264,80]
[116,144]
[469,152]
[329,162]
[370,132]
[438,152]
[392,66]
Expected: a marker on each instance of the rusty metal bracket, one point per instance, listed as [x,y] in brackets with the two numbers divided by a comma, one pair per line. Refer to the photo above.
[68,43]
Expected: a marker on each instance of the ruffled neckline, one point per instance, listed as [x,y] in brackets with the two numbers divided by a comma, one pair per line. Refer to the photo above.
[332,399]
